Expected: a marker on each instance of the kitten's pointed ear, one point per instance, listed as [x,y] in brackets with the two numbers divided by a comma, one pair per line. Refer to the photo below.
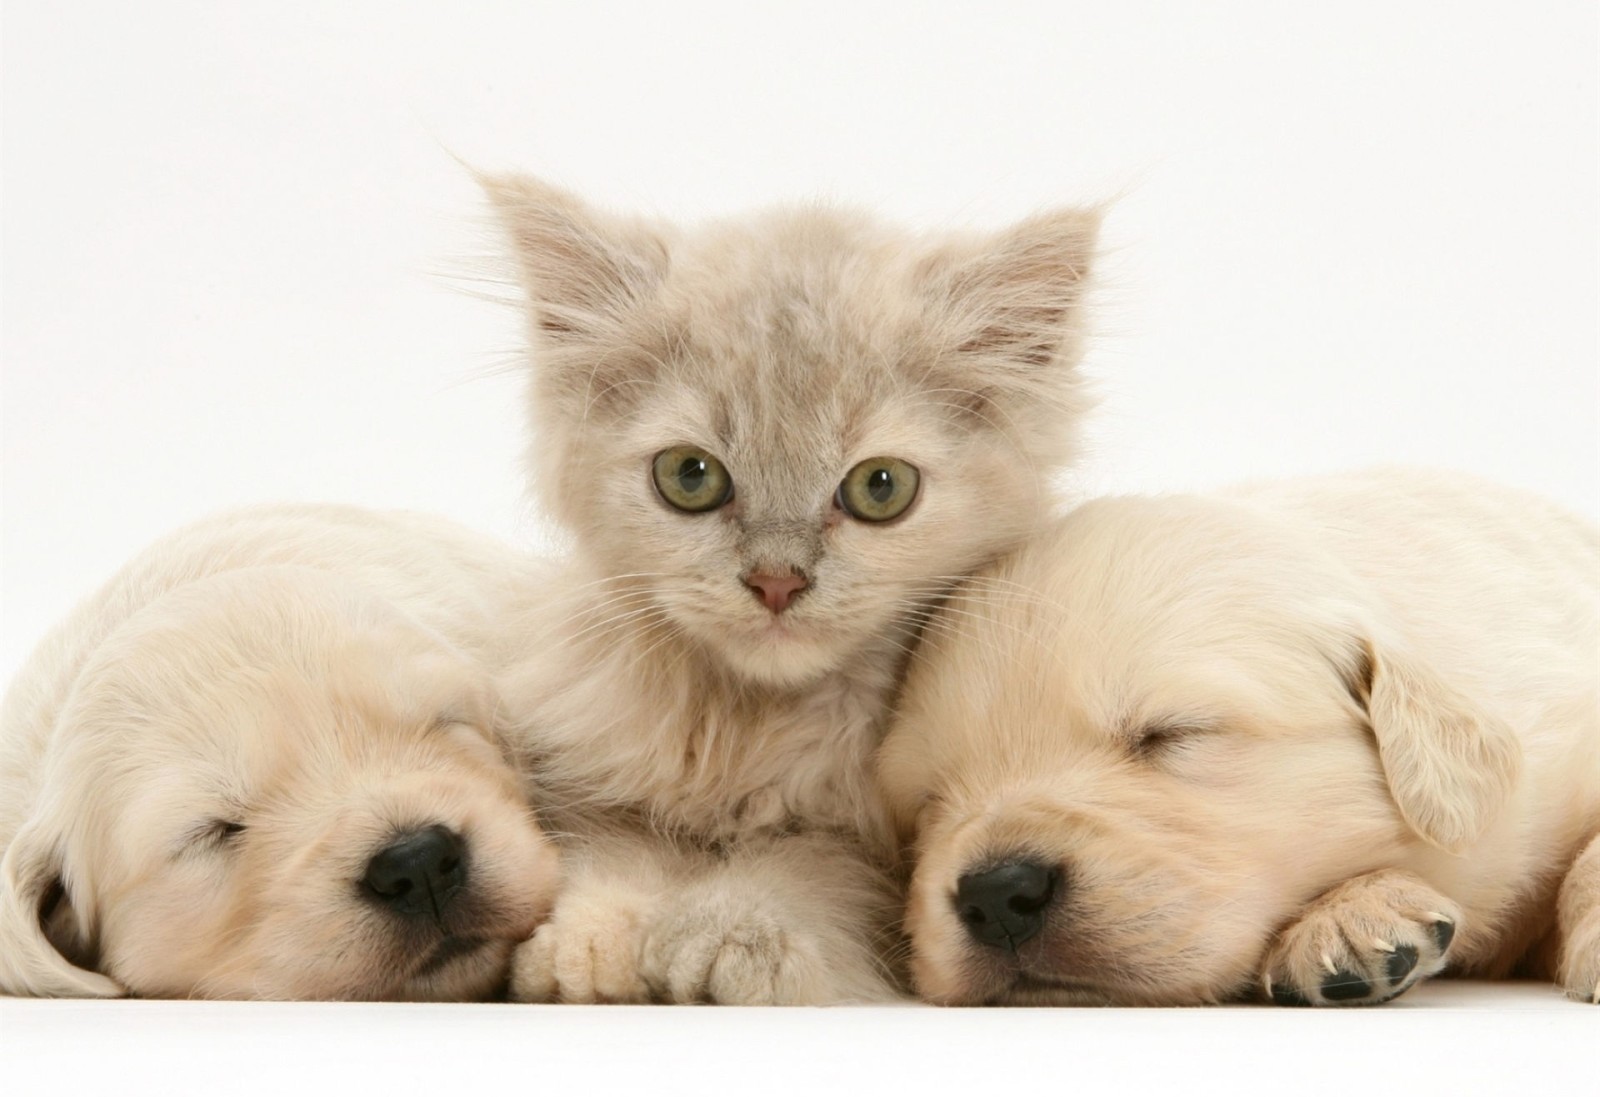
[583,270]
[1451,765]
[39,930]
[1016,297]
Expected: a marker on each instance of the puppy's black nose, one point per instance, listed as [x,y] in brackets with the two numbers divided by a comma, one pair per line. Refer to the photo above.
[1004,906]
[419,873]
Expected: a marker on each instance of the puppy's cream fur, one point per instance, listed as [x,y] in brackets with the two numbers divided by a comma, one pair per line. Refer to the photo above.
[1320,739]
[321,677]
[789,346]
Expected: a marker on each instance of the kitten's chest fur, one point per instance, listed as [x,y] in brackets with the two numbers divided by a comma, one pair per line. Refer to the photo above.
[648,723]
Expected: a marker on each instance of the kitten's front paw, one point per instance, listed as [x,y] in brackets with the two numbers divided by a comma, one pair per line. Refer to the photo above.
[723,954]
[1365,942]
[587,952]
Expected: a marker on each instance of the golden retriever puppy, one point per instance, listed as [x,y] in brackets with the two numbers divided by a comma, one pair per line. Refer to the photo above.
[262,762]
[1317,741]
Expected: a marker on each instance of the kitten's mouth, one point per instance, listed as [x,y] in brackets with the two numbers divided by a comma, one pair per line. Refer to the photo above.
[775,649]
[759,621]
[784,630]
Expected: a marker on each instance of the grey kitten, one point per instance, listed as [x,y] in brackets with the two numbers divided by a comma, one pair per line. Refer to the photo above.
[776,442]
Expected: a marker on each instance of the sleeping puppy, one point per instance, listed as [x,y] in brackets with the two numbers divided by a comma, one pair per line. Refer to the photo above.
[1316,741]
[262,762]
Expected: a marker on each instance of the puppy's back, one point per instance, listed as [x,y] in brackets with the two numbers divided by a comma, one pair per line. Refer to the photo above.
[1489,582]
[1398,525]
[1498,590]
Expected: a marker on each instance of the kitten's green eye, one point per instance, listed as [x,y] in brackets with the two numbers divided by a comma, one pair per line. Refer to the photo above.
[878,489]
[691,479]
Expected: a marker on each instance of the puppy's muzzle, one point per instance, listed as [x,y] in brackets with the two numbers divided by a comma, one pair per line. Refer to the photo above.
[1005,905]
[419,873]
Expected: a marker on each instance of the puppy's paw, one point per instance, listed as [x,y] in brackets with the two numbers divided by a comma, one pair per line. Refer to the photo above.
[1578,919]
[723,953]
[587,952]
[1580,961]
[1365,942]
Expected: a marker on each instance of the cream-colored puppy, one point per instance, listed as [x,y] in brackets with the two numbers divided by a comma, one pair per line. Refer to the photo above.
[1318,740]
[262,762]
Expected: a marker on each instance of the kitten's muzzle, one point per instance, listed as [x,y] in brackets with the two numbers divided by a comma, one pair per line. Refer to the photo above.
[776,591]
[1005,905]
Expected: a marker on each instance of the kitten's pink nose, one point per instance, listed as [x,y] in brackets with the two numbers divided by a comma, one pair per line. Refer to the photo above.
[775,591]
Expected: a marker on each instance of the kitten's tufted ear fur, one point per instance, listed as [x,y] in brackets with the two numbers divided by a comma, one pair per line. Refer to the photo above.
[1450,765]
[583,270]
[1015,298]
[42,942]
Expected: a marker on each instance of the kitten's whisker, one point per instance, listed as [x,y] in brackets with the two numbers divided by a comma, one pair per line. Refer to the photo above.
[587,608]
[988,645]
[644,616]
[587,614]
[997,585]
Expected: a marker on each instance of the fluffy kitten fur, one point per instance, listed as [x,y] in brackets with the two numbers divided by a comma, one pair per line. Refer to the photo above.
[723,746]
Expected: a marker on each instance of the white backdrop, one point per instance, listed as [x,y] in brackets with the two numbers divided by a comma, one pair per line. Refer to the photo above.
[1346,233]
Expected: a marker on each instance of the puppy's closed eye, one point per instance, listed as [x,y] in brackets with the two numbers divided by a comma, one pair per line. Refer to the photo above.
[452,721]
[1161,739]
[213,834]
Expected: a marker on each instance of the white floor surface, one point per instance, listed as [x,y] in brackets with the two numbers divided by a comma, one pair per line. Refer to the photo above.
[1447,1038]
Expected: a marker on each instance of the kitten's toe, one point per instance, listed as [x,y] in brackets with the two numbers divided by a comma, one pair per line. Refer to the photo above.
[698,957]
[533,976]
[748,967]
[588,952]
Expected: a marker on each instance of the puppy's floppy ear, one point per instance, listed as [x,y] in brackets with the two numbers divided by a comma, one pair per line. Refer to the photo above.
[451,688]
[583,270]
[479,705]
[1450,765]
[38,928]
[905,776]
